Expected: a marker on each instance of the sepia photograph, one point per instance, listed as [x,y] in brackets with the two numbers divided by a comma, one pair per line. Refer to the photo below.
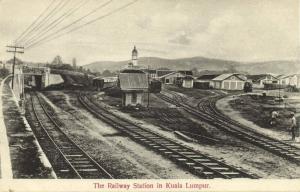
[149,95]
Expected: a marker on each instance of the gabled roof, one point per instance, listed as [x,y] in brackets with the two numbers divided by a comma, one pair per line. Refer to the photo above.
[282,76]
[133,81]
[260,76]
[208,77]
[227,75]
[163,72]
[166,75]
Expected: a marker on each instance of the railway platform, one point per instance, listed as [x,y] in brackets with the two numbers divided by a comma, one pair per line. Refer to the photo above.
[21,156]
[6,169]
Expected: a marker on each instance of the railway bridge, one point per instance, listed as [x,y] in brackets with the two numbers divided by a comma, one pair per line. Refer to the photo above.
[33,77]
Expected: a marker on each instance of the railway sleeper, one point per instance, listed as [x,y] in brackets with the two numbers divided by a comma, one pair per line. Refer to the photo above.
[87,170]
[83,165]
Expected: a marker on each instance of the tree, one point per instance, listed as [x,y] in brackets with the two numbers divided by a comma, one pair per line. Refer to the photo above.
[107,73]
[195,71]
[57,60]
[4,72]
[247,87]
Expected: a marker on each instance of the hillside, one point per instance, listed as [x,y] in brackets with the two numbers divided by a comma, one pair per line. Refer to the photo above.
[200,63]
[276,67]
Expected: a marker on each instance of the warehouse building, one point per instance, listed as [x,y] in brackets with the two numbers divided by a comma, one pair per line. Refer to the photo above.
[229,81]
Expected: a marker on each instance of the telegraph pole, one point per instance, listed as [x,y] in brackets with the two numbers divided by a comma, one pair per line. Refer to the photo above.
[148,102]
[14,50]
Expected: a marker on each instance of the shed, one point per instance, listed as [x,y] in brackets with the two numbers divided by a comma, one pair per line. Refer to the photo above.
[187,81]
[133,85]
[205,81]
[229,81]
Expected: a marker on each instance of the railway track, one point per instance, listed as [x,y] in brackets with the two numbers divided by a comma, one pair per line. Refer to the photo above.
[67,159]
[210,114]
[197,163]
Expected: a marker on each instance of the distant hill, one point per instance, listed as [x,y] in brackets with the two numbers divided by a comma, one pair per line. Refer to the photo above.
[277,67]
[155,62]
[202,64]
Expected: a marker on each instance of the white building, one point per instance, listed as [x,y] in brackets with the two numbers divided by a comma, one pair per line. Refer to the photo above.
[260,80]
[229,81]
[289,80]
[188,82]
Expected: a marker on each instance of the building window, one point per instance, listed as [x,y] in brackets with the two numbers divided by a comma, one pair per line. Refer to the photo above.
[134,98]
[167,80]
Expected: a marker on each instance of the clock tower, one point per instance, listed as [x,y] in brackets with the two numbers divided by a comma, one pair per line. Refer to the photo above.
[134,57]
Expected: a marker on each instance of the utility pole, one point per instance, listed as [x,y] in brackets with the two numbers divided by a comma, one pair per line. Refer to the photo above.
[14,51]
[148,87]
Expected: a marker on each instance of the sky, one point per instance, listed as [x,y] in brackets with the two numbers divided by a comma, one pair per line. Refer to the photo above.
[240,30]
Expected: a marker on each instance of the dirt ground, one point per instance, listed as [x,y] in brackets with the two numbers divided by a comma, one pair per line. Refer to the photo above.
[121,156]
[92,134]
[257,109]
[256,114]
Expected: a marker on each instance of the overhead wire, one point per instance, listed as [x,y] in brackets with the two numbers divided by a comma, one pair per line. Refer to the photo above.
[74,22]
[44,20]
[35,21]
[45,23]
[57,21]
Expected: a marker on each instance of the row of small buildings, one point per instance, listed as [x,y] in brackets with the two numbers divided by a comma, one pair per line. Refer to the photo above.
[230,81]
[134,80]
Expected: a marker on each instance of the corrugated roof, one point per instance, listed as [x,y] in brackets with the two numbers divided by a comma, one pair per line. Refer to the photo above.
[222,77]
[133,81]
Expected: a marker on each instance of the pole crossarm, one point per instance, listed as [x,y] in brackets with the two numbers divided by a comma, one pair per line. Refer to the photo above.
[13,46]
[15,51]
[14,61]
